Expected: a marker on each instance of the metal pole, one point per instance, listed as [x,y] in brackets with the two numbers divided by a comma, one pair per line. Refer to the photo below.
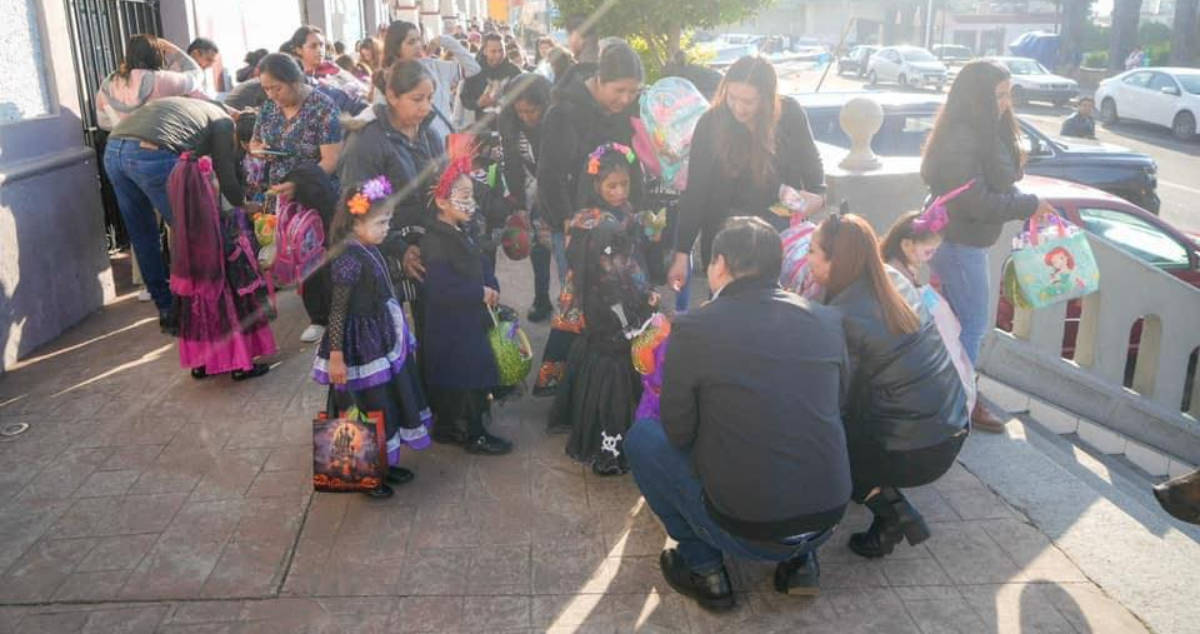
[929,24]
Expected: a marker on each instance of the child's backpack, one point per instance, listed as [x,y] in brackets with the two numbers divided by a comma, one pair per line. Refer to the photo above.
[299,243]
[670,110]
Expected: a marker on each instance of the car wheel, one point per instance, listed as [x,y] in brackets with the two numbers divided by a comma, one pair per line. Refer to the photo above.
[873,78]
[1184,126]
[1018,96]
[1108,111]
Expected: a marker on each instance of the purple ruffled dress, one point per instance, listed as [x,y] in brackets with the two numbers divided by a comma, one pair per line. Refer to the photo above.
[378,347]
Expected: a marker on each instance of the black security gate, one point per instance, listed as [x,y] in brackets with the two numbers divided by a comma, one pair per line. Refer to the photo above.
[99,32]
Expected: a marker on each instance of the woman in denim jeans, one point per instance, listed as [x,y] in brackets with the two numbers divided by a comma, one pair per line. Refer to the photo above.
[975,137]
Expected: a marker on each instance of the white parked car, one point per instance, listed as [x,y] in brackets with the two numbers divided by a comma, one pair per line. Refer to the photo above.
[1163,96]
[909,66]
[1032,82]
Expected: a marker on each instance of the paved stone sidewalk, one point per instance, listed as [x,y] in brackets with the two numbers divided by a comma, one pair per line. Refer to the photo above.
[141,500]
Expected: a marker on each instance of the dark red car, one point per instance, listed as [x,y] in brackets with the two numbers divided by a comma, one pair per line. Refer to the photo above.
[1130,228]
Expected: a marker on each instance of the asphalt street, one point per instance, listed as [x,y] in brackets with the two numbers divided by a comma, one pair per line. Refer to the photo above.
[1178,176]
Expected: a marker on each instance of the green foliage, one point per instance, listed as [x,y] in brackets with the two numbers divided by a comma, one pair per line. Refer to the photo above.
[1151,33]
[1095,59]
[659,23]
[1159,54]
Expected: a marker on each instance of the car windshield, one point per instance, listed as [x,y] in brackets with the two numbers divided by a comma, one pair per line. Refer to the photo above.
[1025,67]
[917,55]
[1190,83]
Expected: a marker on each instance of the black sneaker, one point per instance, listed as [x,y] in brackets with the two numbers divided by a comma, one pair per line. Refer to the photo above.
[712,591]
[540,312]
[800,576]
[486,444]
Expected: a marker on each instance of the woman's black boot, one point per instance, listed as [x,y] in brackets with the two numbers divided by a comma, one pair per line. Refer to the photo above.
[881,538]
[909,521]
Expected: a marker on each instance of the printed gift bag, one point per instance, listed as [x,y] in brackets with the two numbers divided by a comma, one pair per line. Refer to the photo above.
[1054,263]
[349,451]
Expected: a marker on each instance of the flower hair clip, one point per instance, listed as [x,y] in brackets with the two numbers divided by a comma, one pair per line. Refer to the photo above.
[373,190]
[598,154]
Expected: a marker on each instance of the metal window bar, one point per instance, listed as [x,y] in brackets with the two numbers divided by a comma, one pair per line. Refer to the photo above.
[99,30]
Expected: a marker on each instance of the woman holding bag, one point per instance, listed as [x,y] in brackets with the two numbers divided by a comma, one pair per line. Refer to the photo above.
[975,137]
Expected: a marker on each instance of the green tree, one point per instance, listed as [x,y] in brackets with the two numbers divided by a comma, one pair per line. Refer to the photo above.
[1184,34]
[660,24]
[1126,15]
[1076,15]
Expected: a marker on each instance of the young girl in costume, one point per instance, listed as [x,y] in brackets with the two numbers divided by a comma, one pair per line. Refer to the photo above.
[460,285]
[910,245]
[605,299]
[368,353]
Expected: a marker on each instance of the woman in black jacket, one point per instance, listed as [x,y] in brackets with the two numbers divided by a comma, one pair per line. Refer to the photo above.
[587,111]
[525,103]
[400,143]
[745,147]
[975,137]
[906,410]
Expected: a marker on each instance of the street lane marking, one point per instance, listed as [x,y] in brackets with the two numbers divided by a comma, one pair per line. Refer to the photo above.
[1178,186]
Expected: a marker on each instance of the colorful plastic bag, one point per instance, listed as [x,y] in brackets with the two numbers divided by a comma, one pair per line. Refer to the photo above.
[797,241]
[670,110]
[1054,263]
[349,450]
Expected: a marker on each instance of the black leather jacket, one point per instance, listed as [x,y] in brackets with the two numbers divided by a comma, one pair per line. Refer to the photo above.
[905,393]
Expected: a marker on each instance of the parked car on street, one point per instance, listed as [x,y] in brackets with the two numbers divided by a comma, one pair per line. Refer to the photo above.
[1167,97]
[1032,82]
[855,60]
[1128,227]
[952,54]
[908,66]
[908,118]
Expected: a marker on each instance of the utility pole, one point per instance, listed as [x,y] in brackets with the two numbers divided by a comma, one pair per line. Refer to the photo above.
[929,24]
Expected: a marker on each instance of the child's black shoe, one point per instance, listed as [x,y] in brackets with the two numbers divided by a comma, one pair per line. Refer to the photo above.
[382,492]
[399,475]
[486,444]
[539,312]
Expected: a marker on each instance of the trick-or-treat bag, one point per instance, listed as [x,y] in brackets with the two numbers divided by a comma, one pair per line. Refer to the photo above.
[1054,263]
[349,449]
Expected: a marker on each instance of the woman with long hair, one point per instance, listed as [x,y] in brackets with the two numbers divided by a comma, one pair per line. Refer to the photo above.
[309,46]
[975,139]
[146,73]
[404,44]
[905,411]
[750,143]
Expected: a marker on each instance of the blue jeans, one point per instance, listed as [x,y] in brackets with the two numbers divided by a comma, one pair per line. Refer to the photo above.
[965,285]
[139,178]
[664,474]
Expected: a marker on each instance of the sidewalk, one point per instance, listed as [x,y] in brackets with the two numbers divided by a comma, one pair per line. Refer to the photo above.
[141,500]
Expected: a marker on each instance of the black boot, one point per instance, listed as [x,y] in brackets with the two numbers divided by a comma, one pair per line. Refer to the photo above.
[712,591]
[540,311]
[800,576]
[895,519]
[449,432]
